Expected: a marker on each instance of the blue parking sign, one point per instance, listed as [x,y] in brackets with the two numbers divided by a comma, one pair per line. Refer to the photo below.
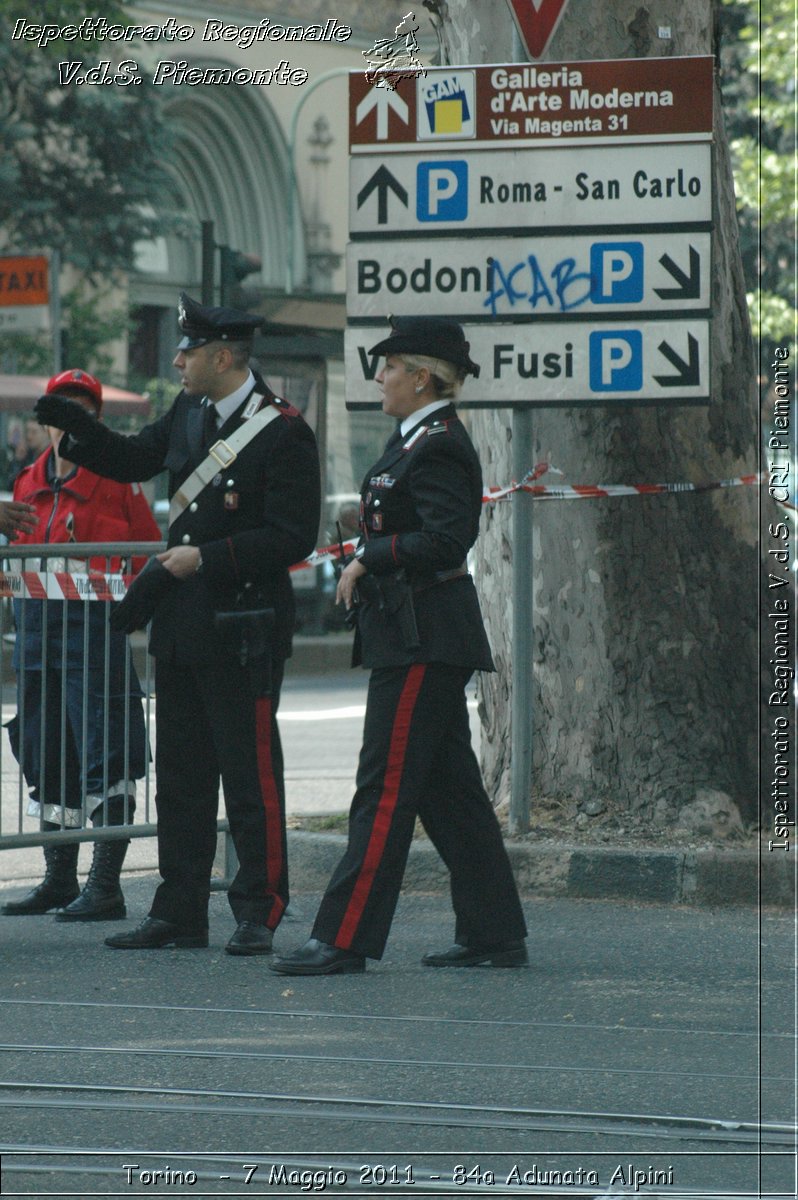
[616,361]
[616,272]
[442,190]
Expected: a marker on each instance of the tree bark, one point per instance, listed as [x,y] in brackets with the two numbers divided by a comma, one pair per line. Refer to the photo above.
[644,608]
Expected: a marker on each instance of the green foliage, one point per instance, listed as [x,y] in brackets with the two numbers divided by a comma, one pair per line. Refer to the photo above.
[80,166]
[758,64]
[161,393]
[88,326]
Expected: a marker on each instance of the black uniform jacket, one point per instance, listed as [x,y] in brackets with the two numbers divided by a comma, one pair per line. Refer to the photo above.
[419,513]
[251,522]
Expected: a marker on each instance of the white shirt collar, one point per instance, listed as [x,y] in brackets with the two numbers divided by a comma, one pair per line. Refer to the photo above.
[225,408]
[421,414]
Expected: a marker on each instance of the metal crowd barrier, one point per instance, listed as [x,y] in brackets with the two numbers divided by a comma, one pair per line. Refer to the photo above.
[41,575]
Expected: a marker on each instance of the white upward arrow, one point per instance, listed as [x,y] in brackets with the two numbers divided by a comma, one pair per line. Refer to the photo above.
[382,99]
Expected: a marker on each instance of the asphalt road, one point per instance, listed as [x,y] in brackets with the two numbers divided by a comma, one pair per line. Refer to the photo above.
[648,1050]
[637,1054]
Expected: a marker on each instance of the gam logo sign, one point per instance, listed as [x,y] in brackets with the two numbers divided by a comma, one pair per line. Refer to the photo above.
[446,106]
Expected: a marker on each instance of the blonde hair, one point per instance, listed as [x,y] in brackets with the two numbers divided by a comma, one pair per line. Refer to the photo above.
[447,379]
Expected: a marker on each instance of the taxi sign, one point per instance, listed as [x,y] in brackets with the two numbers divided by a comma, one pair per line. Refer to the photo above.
[24,293]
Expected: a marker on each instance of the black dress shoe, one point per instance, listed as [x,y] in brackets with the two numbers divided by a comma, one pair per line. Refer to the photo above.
[500,954]
[250,938]
[317,958]
[152,933]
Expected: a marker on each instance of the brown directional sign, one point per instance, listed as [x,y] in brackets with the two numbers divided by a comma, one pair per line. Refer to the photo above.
[529,103]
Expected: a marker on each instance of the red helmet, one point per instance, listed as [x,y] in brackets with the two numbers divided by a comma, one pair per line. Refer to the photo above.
[81,380]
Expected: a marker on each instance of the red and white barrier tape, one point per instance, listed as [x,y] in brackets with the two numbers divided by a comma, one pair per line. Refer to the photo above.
[594,491]
[63,585]
[325,554]
[97,585]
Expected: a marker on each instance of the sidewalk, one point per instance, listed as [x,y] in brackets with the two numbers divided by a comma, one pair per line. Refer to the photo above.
[710,875]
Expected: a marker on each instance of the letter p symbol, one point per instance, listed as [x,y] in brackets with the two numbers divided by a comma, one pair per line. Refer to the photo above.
[616,272]
[442,191]
[616,361]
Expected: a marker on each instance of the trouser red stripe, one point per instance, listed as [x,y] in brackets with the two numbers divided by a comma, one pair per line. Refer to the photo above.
[271,804]
[386,806]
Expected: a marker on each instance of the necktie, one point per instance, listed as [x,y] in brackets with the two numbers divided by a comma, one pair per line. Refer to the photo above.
[210,424]
[394,439]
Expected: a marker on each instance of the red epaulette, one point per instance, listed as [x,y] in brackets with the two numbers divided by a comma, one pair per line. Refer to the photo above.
[286,409]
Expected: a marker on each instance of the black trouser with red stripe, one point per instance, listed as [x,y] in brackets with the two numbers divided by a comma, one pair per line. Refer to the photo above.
[417,760]
[210,724]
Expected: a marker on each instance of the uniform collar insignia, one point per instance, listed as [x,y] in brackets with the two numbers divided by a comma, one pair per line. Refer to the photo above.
[411,441]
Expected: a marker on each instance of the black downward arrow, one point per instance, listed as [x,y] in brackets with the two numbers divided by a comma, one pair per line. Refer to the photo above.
[689,372]
[382,181]
[689,285]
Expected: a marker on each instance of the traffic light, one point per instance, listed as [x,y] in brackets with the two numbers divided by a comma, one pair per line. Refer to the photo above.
[235,265]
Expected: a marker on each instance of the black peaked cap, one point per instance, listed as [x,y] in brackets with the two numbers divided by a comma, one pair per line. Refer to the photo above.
[434,337]
[200,323]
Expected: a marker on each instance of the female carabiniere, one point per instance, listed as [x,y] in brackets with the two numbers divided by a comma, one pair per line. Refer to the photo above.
[420,631]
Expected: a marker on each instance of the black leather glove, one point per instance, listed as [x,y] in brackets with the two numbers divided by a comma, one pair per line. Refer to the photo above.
[63,413]
[143,597]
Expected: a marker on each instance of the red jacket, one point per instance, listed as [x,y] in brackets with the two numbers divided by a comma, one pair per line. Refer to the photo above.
[86,508]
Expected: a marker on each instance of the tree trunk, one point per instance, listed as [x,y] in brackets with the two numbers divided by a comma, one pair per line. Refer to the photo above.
[644,608]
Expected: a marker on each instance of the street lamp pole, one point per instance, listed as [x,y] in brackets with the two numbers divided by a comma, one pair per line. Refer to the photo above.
[523,648]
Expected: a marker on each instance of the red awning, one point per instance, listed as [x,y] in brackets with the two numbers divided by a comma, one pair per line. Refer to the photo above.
[19,393]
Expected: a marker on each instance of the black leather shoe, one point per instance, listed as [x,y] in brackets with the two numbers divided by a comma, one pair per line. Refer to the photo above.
[501,954]
[152,933]
[317,958]
[250,938]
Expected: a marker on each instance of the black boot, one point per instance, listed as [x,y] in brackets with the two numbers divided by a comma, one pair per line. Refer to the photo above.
[101,898]
[59,886]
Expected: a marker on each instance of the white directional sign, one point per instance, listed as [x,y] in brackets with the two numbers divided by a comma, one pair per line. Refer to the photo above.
[529,276]
[562,211]
[532,189]
[562,362]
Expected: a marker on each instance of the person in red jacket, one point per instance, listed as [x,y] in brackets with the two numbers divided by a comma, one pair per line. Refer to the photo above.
[72,504]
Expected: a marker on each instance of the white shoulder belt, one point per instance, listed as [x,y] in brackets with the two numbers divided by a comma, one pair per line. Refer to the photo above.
[221,455]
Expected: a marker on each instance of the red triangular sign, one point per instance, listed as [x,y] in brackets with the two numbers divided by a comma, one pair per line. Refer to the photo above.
[536,21]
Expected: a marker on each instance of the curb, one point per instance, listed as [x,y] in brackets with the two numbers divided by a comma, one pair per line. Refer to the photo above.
[697,877]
